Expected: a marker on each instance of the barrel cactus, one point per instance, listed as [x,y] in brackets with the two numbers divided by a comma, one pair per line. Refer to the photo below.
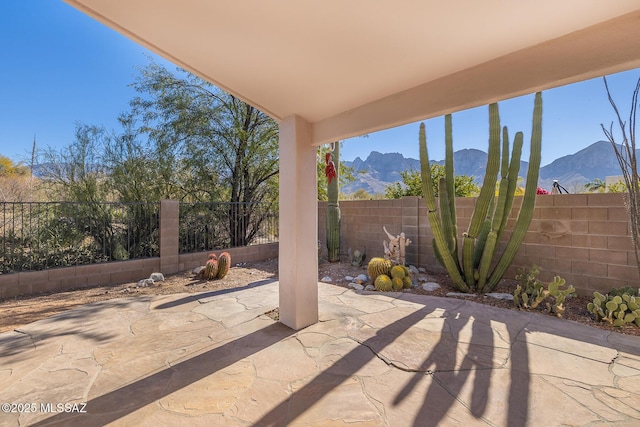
[210,271]
[477,271]
[397,272]
[383,283]
[396,283]
[406,282]
[224,263]
[378,266]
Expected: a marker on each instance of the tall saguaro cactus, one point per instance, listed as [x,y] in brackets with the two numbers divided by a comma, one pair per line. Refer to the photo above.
[333,207]
[479,243]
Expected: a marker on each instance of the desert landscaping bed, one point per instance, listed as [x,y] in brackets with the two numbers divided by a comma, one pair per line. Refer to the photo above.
[23,310]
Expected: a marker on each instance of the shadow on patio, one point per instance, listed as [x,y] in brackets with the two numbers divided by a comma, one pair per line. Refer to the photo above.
[373,359]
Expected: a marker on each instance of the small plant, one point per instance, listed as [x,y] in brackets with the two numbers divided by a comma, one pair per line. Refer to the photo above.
[626,290]
[619,307]
[398,272]
[210,271]
[356,258]
[531,292]
[397,276]
[406,282]
[224,263]
[216,267]
[383,283]
[397,283]
[378,266]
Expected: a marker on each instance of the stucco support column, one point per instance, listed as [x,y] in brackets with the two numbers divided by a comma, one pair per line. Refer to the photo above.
[298,247]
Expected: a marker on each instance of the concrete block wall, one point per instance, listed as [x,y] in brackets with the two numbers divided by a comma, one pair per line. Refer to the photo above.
[253,253]
[111,273]
[82,276]
[169,262]
[584,238]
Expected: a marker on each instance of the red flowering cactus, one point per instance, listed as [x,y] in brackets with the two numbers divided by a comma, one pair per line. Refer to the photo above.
[542,191]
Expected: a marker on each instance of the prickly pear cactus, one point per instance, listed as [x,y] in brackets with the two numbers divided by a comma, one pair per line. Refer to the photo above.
[616,308]
[224,263]
[383,283]
[378,266]
[531,292]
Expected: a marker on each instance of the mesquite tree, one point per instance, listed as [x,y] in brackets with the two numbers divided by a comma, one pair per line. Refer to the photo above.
[215,147]
[626,155]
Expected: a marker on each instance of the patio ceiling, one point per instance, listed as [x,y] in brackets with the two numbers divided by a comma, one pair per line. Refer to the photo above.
[356,66]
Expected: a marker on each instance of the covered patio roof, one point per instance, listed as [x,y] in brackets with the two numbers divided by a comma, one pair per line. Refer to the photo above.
[333,69]
[352,67]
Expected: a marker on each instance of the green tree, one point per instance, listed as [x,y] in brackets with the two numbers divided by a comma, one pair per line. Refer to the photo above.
[411,184]
[16,183]
[139,171]
[209,146]
[617,187]
[595,186]
[76,173]
[9,168]
[360,194]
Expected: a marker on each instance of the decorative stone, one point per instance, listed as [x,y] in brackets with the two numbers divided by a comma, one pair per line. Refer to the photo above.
[157,277]
[369,288]
[422,270]
[356,286]
[145,282]
[430,286]
[423,278]
[361,278]
[197,270]
[460,294]
[326,279]
[348,278]
[413,269]
[498,295]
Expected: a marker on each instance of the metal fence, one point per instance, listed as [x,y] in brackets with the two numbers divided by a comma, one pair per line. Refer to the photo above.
[210,226]
[37,235]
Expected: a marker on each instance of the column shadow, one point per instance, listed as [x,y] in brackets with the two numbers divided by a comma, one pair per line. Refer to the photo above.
[125,400]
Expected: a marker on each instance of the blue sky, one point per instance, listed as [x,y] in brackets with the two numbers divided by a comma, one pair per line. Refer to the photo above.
[61,67]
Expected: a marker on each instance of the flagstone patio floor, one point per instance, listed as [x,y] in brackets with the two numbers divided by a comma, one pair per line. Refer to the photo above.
[395,359]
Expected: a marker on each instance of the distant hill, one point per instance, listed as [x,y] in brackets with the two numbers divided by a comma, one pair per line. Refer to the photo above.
[49,170]
[378,171]
[596,161]
[573,171]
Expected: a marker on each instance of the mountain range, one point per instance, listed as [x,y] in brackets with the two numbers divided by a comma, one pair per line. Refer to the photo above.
[596,161]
